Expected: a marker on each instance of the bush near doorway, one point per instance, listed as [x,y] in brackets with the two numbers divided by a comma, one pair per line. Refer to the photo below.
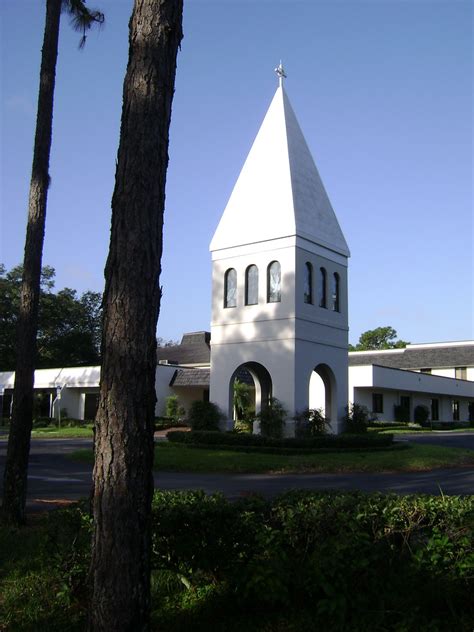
[357,418]
[311,423]
[421,414]
[204,416]
[272,419]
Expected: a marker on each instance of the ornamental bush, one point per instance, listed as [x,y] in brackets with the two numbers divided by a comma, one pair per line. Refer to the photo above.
[172,406]
[357,418]
[272,419]
[401,414]
[233,441]
[311,423]
[349,561]
[204,416]
[421,414]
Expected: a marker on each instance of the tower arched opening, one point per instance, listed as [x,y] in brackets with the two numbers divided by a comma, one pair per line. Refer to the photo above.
[323,391]
[250,391]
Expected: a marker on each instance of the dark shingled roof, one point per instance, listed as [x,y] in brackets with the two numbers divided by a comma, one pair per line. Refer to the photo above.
[418,357]
[195,348]
[191,377]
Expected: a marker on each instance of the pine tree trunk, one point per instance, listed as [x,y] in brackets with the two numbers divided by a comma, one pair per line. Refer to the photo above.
[123,477]
[16,467]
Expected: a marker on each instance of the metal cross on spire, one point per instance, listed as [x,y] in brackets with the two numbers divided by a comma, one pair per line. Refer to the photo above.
[280,73]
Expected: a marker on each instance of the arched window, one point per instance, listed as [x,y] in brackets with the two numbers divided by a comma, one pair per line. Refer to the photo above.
[322,288]
[335,292]
[308,283]
[274,282]
[230,288]
[251,285]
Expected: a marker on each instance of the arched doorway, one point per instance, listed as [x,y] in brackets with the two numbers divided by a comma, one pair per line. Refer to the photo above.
[257,384]
[322,391]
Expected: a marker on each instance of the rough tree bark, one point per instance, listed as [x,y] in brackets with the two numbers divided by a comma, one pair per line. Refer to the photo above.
[123,478]
[16,467]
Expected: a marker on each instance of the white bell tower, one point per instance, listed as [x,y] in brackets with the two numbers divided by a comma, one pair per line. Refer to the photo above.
[279,278]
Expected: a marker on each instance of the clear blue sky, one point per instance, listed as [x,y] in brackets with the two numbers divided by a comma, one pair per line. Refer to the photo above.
[382,90]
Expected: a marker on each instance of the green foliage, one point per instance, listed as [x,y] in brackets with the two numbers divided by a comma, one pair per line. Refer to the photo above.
[311,423]
[288,445]
[357,418]
[69,327]
[43,422]
[44,572]
[401,413]
[204,416]
[303,561]
[379,338]
[243,402]
[172,406]
[272,419]
[421,414]
[410,558]
[471,414]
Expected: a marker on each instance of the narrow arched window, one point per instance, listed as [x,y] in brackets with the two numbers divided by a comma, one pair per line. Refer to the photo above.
[322,288]
[335,292]
[251,285]
[274,282]
[308,283]
[230,288]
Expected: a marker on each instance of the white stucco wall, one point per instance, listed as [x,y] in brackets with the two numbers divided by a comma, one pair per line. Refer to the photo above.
[188,395]
[420,387]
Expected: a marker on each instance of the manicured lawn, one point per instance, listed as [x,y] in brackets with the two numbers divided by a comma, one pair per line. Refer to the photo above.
[172,457]
[415,431]
[53,432]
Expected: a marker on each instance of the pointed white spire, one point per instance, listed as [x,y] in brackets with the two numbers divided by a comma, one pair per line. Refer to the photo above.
[279,192]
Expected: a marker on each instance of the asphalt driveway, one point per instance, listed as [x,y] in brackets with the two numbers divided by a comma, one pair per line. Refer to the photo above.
[54,479]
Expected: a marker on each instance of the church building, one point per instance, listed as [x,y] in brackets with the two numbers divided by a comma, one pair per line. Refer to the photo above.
[279,278]
[279,313]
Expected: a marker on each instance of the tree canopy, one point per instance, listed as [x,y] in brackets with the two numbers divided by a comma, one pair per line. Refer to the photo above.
[69,326]
[380,338]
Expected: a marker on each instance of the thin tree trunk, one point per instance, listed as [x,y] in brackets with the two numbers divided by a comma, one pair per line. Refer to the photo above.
[16,467]
[123,477]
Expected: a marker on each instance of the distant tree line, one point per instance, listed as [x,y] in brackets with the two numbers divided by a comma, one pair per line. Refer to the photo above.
[379,339]
[69,326]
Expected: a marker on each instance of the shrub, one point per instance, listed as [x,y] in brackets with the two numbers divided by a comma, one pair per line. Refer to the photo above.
[410,557]
[232,441]
[43,422]
[172,407]
[243,402]
[302,561]
[272,419]
[471,414]
[357,418]
[311,422]
[401,414]
[421,414]
[204,416]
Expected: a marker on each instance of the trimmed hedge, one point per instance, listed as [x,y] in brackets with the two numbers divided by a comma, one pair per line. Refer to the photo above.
[251,449]
[346,561]
[233,441]
[332,561]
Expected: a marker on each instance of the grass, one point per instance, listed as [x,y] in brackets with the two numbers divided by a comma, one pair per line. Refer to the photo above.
[172,457]
[416,431]
[53,432]
[403,429]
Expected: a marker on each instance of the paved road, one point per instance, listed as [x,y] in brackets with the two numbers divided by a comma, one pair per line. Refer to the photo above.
[449,439]
[53,477]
